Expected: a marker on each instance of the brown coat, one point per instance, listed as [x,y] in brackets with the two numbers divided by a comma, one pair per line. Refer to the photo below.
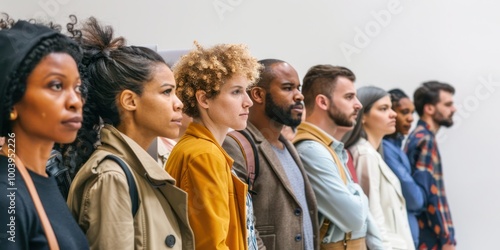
[100,201]
[277,211]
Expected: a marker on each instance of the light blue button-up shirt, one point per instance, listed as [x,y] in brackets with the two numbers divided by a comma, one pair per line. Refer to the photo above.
[345,206]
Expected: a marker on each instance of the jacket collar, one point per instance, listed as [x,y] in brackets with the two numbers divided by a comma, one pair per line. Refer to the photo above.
[201,132]
[136,157]
[258,137]
[384,168]
[315,131]
[425,125]
[395,139]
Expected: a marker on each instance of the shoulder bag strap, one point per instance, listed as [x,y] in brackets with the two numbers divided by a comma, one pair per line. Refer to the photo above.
[341,169]
[247,148]
[49,233]
[132,188]
[326,223]
[309,136]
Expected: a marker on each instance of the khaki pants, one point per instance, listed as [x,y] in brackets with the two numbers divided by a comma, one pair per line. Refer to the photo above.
[357,244]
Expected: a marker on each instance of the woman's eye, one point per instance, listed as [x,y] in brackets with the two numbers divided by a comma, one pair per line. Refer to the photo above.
[57,86]
[236,92]
[79,89]
[167,92]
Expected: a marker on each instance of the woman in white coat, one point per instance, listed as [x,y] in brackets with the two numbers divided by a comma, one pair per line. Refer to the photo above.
[379,183]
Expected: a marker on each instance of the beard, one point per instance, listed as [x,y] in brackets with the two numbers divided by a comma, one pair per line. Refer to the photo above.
[341,119]
[282,115]
[442,121]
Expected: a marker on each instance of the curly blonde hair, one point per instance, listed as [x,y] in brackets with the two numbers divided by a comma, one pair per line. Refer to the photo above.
[208,69]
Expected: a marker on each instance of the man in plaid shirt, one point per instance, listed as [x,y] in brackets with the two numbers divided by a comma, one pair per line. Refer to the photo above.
[434,104]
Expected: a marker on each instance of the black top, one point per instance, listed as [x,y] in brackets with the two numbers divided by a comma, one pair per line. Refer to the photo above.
[20,226]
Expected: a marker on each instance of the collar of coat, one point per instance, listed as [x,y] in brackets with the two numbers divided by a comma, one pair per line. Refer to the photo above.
[201,132]
[136,157]
[306,127]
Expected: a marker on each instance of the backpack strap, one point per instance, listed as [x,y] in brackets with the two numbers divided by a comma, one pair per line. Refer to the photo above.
[251,158]
[308,136]
[306,132]
[132,188]
[55,167]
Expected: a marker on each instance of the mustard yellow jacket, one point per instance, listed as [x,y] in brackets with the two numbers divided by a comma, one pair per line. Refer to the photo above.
[99,200]
[216,197]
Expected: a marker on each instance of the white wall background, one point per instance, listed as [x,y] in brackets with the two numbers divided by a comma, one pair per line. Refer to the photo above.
[395,43]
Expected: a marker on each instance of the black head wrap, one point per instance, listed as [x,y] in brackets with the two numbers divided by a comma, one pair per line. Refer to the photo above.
[15,44]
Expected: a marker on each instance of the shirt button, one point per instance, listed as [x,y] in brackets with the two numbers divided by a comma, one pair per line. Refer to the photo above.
[298,237]
[170,241]
[298,211]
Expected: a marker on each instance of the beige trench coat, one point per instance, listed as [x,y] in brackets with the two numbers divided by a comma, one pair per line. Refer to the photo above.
[99,200]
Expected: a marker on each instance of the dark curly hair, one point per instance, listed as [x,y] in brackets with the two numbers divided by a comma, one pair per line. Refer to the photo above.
[6,22]
[109,67]
[396,96]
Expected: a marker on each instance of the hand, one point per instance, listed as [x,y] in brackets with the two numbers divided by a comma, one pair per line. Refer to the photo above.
[448,247]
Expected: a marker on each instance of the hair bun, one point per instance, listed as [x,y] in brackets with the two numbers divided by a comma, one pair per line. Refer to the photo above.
[100,54]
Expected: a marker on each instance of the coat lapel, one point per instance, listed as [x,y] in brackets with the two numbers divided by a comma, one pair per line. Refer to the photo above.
[390,176]
[267,151]
[172,193]
[149,169]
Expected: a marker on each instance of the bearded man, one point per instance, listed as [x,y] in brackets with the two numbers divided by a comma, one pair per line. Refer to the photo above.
[434,104]
[331,105]
[284,202]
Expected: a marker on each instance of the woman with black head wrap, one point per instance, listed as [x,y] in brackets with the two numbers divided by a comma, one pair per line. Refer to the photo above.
[41,105]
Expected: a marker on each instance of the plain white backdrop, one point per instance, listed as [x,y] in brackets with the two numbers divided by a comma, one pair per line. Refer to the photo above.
[395,43]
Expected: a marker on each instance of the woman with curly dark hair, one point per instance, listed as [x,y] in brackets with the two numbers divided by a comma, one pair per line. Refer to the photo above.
[121,197]
[212,85]
[41,104]
[399,163]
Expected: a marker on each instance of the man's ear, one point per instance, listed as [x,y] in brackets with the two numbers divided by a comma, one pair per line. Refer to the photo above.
[322,102]
[429,109]
[201,98]
[258,95]
[128,100]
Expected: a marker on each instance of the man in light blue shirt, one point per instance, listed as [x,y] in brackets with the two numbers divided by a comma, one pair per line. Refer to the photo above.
[330,101]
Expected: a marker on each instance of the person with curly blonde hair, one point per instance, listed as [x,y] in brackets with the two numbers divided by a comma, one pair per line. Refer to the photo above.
[212,84]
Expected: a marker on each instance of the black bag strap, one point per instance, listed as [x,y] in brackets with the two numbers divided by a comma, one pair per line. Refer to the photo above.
[132,188]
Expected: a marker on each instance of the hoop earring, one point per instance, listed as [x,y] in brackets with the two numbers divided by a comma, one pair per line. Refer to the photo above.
[13,116]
